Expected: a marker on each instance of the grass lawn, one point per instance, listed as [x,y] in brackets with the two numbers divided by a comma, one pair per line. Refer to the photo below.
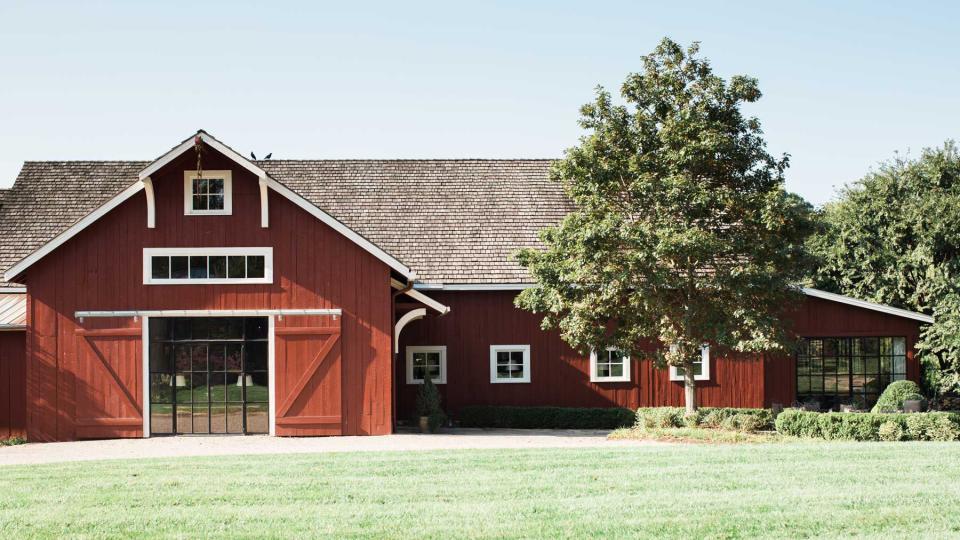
[679,491]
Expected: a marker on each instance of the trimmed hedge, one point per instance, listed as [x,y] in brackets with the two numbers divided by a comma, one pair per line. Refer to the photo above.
[891,400]
[728,418]
[545,417]
[931,426]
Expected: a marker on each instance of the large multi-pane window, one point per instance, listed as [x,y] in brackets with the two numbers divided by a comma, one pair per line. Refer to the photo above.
[209,375]
[851,370]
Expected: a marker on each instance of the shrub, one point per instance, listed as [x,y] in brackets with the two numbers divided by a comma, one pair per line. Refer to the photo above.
[428,404]
[891,400]
[931,426]
[13,441]
[890,431]
[731,419]
[545,417]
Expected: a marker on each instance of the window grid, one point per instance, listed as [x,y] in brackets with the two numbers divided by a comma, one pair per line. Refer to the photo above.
[610,364]
[424,363]
[835,371]
[509,363]
[209,375]
[208,194]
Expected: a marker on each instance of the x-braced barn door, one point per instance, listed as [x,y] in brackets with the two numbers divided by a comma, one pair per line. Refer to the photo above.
[108,379]
[308,376]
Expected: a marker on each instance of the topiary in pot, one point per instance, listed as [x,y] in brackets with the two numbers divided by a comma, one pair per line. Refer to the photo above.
[430,414]
[892,398]
[914,403]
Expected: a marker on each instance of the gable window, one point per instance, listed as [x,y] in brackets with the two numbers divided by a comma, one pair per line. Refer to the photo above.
[509,363]
[210,266]
[611,365]
[701,367]
[209,194]
[424,360]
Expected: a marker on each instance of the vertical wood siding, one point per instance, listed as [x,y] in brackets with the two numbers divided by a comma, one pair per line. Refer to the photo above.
[561,376]
[13,378]
[101,269]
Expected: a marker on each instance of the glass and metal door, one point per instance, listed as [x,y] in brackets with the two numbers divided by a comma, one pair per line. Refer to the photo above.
[209,375]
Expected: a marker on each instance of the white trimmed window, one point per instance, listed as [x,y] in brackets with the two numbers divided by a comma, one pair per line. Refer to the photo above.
[701,367]
[423,360]
[611,365]
[208,266]
[509,363]
[209,194]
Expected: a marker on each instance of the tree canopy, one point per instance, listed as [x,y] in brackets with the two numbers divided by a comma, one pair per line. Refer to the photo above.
[894,237]
[682,232]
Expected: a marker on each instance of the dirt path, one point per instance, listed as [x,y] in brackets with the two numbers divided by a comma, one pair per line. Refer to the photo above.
[260,444]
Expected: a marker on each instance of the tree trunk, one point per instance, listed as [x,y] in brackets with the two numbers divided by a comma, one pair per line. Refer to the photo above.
[689,388]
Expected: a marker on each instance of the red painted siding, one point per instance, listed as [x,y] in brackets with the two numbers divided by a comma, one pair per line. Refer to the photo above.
[101,269]
[561,376]
[13,378]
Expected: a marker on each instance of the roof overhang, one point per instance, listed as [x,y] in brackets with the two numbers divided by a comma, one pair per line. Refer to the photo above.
[13,310]
[889,310]
[164,160]
[816,293]
[420,297]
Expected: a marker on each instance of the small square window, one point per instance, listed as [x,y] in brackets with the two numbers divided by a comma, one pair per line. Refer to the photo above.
[423,360]
[509,363]
[207,194]
[611,365]
[701,367]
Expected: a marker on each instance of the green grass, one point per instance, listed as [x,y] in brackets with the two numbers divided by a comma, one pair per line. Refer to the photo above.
[888,490]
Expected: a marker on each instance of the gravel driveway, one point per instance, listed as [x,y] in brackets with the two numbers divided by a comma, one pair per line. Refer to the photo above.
[260,444]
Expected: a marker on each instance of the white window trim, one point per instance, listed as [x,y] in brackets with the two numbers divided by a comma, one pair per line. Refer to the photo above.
[704,373]
[265,252]
[494,349]
[442,349]
[188,177]
[593,368]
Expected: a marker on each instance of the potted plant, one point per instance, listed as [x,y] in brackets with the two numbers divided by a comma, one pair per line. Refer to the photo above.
[430,415]
[913,403]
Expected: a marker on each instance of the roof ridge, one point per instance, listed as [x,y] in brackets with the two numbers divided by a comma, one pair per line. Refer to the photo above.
[303,160]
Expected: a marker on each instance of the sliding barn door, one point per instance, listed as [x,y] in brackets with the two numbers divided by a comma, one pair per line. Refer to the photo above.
[308,376]
[108,383]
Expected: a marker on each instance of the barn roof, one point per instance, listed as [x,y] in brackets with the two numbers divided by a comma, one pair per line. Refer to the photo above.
[451,221]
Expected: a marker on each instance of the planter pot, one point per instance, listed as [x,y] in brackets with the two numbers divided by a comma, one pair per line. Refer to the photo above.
[912,405]
[848,408]
[424,424]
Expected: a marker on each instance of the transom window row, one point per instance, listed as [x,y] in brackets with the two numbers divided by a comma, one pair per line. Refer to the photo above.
[227,265]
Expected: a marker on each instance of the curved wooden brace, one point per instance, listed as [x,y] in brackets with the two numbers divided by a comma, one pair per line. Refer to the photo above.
[264,208]
[407,318]
[151,203]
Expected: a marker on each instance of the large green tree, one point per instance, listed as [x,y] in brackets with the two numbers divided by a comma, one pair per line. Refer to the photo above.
[894,237]
[682,233]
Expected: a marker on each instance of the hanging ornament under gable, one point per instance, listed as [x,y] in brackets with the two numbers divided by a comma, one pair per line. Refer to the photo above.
[198,147]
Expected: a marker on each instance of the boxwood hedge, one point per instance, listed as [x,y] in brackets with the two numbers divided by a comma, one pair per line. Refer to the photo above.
[545,417]
[729,418]
[931,426]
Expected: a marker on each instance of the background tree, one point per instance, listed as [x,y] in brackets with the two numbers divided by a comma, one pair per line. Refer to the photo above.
[682,233]
[894,237]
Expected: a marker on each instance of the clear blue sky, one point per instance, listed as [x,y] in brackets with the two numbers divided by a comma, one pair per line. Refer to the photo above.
[845,87]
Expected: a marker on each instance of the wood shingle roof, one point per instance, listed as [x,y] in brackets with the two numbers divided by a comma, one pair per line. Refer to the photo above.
[451,221]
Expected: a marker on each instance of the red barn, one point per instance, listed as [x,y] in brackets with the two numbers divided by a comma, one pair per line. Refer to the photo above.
[223,295]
